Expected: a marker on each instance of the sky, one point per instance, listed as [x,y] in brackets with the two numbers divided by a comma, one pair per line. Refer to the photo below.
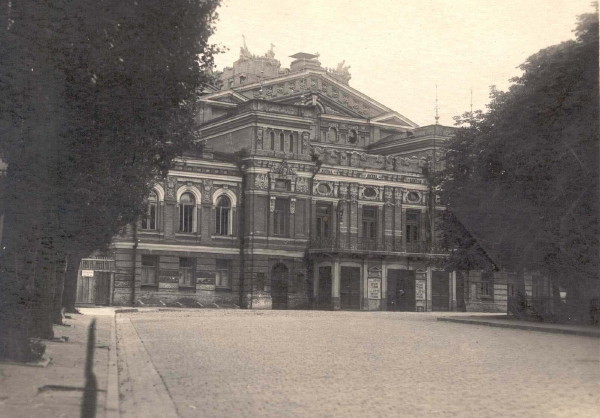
[399,50]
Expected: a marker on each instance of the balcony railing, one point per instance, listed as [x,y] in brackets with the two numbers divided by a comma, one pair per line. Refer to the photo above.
[333,244]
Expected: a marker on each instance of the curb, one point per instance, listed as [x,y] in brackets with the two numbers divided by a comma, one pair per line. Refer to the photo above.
[566,331]
[111,406]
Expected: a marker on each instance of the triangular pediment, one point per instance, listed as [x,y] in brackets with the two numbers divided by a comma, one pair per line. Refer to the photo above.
[394,118]
[335,97]
[227,96]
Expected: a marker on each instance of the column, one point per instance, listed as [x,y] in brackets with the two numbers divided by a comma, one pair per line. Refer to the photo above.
[429,302]
[335,285]
[453,306]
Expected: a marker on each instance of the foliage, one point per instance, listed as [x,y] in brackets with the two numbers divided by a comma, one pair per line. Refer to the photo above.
[522,179]
[98,97]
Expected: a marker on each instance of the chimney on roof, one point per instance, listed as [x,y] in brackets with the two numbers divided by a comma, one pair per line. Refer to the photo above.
[305,61]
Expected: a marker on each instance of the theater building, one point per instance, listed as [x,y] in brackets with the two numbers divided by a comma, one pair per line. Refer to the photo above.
[302,193]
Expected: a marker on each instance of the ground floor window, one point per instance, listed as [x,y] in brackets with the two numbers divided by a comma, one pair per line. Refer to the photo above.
[223,272]
[149,270]
[186,272]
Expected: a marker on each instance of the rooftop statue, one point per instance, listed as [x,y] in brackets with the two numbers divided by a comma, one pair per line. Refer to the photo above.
[341,72]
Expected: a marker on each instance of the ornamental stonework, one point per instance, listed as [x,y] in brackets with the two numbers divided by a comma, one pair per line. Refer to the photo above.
[261,181]
[171,185]
[207,187]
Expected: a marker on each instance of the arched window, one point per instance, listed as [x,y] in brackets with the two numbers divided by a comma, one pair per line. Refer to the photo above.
[281,142]
[223,216]
[150,219]
[272,138]
[291,142]
[187,206]
[332,135]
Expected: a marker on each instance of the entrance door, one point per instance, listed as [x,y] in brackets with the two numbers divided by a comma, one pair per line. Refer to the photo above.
[440,291]
[279,287]
[401,290]
[324,296]
[350,288]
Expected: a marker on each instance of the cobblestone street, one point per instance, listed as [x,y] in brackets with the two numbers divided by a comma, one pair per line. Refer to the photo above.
[310,363]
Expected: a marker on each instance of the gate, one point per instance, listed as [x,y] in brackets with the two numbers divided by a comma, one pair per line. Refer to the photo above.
[350,288]
[440,291]
[94,281]
[401,290]
[279,287]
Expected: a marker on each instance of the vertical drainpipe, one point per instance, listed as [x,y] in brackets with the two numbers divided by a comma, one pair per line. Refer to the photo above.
[134,259]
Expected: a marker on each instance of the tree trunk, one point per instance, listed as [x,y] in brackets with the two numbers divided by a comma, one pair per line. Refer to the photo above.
[61,269]
[43,300]
[18,257]
[70,283]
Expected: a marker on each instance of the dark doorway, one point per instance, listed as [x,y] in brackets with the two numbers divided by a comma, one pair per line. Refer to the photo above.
[324,297]
[350,288]
[279,287]
[401,290]
[440,291]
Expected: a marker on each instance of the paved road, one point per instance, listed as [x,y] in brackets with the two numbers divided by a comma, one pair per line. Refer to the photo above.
[230,363]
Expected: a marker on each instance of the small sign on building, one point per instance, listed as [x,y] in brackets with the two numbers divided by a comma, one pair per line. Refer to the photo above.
[420,293]
[374,288]
[87,273]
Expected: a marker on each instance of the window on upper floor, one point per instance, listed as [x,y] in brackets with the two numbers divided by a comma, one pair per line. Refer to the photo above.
[324,221]
[281,216]
[369,221]
[223,216]
[332,135]
[413,219]
[291,138]
[187,209]
[272,140]
[150,219]
[281,142]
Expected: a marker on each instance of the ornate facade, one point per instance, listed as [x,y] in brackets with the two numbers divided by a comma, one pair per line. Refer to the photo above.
[303,193]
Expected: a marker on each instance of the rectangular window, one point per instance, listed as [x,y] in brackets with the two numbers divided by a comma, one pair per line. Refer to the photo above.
[223,272]
[149,220]
[413,219]
[486,285]
[369,222]
[149,270]
[281,216]
[186,272]
[186,218]
[323,220]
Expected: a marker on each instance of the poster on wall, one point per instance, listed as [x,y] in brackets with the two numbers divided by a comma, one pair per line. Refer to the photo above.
[420,289]
[374,288]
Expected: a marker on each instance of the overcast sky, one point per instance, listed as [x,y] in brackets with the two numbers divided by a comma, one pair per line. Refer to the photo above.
[399,50]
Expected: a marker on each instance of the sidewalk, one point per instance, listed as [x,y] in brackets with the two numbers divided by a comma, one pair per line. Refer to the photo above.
[504,321]
[56,390]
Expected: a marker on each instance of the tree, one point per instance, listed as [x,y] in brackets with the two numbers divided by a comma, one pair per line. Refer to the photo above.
[102,96]
[522,179]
